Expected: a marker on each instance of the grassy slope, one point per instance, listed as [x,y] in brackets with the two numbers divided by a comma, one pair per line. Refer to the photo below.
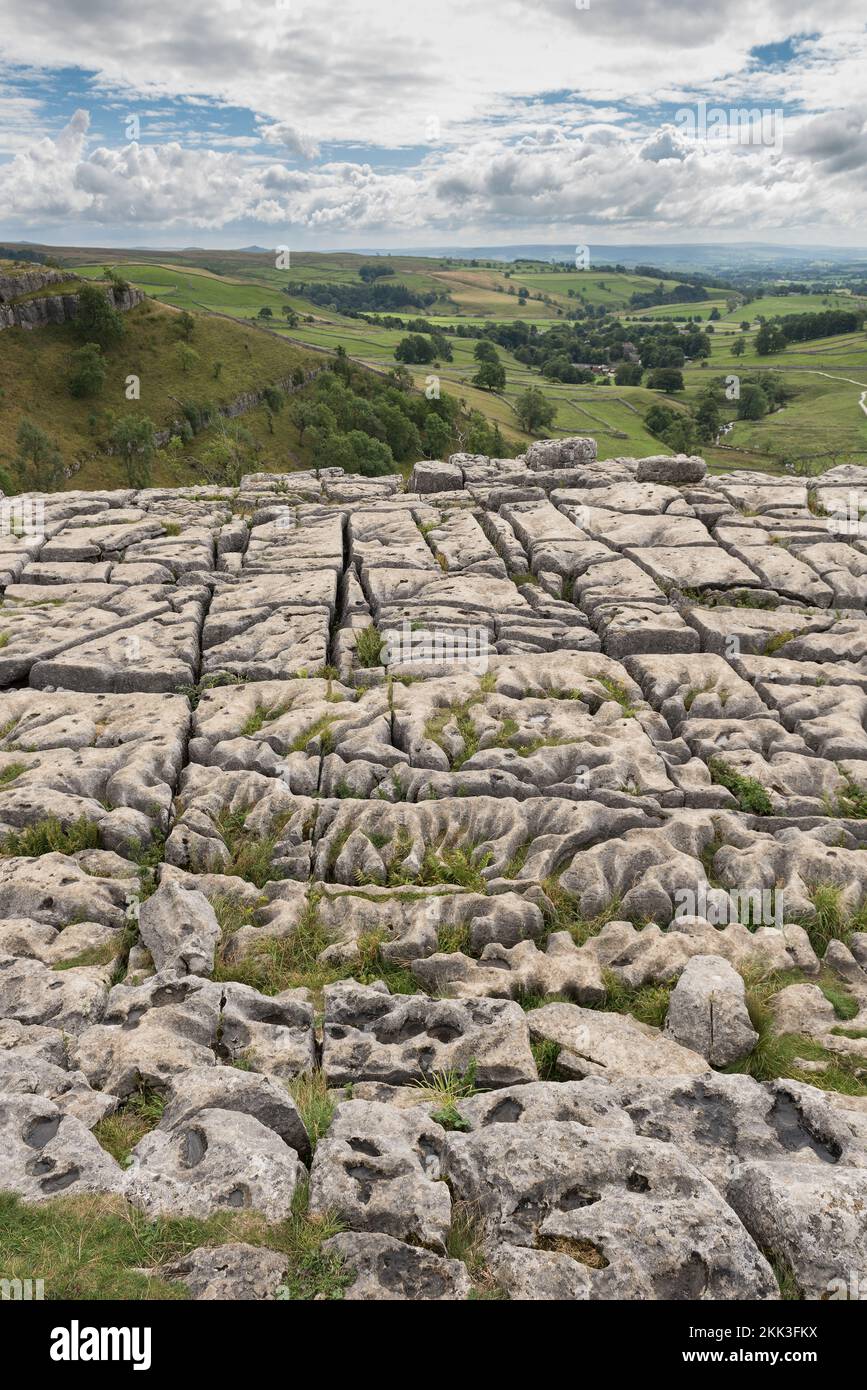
[823,416]
[33,370]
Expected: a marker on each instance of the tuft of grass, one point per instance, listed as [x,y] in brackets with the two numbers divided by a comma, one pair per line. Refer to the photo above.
[453,937]
[253,723]
[776,1054]
[11,772]
[778,640]
[368,647]
[251,853]
[466,1242]
[851,802]
[617,691]
[450,1086]
[545,1054]
[647,1004]
[565,915]
[119,1132]
[49,837]
[315,1106]
[829,920]
[748,792]
[321,729]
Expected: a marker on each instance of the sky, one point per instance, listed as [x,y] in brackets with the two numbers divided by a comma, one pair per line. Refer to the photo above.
[402,123]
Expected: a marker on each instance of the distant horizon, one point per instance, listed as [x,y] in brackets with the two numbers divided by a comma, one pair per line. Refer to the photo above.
[445,249]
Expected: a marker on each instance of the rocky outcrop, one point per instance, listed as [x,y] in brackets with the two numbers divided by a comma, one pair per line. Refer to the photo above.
[60,308]
[17,282]
[454,859]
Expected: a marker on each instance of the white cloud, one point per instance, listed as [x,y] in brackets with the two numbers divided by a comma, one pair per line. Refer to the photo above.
[512,154]
[601,181]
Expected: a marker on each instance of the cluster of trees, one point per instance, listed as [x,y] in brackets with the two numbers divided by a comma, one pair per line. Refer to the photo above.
[565,351]
[681,293]
[491,374]
[353,299]
[373,271]
[417,348]
[367,424]
[685,429]
[776,333]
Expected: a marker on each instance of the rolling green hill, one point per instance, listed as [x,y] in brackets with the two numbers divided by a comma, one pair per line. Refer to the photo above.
[35,368]
[226,292]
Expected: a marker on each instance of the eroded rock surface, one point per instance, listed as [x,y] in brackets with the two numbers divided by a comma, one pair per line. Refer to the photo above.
[489,848]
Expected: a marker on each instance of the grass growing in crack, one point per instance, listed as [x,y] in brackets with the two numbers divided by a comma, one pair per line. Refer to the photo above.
[776,1054]
[119,1132]
[194,693]
[147,859]
[829,920]
[565,915]
[739,598]
[49,837]
[647,1003]
[312,1272]
[94,955]
[790,1289]
[322,729]
[11,772]
[372,965]
[518,860]
[251,854]
[450,1086]
[458,714]
[253,723]
[454,866]
[850,803]
[452,937]
[278,962]
[368,647]
[315,1106]
[616,690]
[749,793]
[466,1242]
[545,1054]
[778,640]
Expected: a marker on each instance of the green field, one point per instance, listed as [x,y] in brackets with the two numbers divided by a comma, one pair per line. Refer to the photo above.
[826,376]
